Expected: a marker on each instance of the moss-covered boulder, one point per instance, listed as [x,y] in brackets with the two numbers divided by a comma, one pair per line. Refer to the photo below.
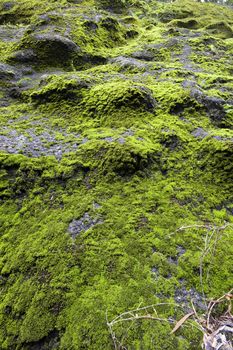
[221,29]
[115,5]
[52,49]
[114,96]
[57,88]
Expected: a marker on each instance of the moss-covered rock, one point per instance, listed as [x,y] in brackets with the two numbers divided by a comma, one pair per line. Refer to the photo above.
[105,99]
[221,29]
[115,170]
[115,5]
[57,88]
[49,49]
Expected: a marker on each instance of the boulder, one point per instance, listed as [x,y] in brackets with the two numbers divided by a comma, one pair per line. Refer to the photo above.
[53,49]
[214,106]
[128,63]
[24,56]
[143,55]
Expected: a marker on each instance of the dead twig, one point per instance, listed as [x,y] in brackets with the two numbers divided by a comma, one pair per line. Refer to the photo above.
[141,313]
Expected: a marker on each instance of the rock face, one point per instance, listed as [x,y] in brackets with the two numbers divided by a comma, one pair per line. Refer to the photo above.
[116,170]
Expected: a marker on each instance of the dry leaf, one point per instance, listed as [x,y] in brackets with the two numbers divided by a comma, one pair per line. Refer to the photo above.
[181,321]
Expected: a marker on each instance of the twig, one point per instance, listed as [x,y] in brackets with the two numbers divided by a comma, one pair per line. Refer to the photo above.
[209,227]
[203,255]
[144,317]
[111,331]
[134,315]
[143,308]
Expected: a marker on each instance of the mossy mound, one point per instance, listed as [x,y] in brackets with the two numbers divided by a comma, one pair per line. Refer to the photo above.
[57,88]
[48,49]
[122,159]
[221,29]
[218,155]
[188,23]
[105,99]
[116,5]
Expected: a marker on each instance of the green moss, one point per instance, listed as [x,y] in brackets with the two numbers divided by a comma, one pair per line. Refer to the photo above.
[187,23]
[149,158]
[105,99]
[221,29]
[117,5]
[59,88]
[6,49]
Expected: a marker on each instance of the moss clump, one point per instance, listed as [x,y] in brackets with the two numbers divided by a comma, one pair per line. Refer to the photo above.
[115,5]
[23,12]
[218,155]
[59,88]
[105,99]
[177,11]
[220,29]
[188,23]
[122,159]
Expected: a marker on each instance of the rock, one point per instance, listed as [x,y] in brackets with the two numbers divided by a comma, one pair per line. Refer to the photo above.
[221,29]
[55,39]
[168,15]
[58,88]
[214,106]
[10,33]
[54,49]
[82,225]
[128,63]
[121,140]
[24,56]
[15,92]
[200,133]
[122,159]
[108,139]
[114,96]
[114,6]
[35,145]
[7,6]
[131,34]
[90,25]
[171,141]
[44,19]
[188,23]
[51,341]
[96,205]
[88,60]
[189,84]
[128,132]
[184,296]
[143,55]
[109,23]
[7,72]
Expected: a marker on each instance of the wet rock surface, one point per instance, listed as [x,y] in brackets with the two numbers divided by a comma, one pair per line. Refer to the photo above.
[34,145]
[83,224]
[126,62]
[185,297]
